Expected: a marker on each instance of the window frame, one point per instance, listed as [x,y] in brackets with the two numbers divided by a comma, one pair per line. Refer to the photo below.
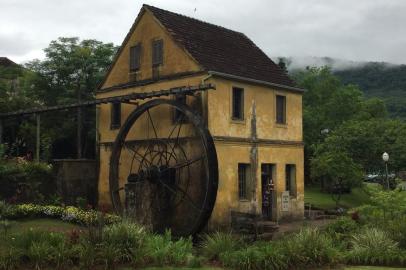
[115,115]
[284,110]
[241,116]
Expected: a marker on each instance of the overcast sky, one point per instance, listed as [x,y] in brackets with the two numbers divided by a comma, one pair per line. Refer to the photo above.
[366,30]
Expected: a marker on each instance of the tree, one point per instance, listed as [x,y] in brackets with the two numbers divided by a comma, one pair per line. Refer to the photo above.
[336,168]
[364,142]
[69,73]
[343,129]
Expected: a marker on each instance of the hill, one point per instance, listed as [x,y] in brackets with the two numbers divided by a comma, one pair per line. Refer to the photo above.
[380,80]
[375,79]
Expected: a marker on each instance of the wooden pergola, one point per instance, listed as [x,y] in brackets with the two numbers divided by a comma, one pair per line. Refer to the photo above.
[129,99]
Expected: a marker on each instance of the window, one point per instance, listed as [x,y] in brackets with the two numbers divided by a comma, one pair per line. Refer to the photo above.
[280,109]
[238,104]
[244,176]
[178,116]
[135,57]
[290,172]
[157,52]
[115,120]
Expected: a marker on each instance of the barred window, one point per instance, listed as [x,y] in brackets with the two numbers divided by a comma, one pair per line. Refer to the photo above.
[244,181]
[135,57]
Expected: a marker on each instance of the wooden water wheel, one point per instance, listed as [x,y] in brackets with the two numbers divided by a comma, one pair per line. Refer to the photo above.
[163,168]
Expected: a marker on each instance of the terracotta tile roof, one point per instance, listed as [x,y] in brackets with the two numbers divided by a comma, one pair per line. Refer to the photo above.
[5,62]
[219,49]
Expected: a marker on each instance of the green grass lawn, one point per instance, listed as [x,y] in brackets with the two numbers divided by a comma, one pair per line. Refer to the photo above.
[324,200]
[371,268]
[45,224]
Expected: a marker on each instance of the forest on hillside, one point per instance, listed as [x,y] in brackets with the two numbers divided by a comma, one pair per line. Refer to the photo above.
[382,80]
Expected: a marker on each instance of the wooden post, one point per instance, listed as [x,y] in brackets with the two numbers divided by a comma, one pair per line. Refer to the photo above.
[79,123]
[38,144]
[1,131]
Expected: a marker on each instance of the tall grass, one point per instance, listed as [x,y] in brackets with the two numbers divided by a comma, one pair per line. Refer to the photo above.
[375,247]
[215,244]
[160,250]
[256,257]
[307,248]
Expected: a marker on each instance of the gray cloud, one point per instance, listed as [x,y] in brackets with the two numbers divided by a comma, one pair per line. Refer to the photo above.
[361,30]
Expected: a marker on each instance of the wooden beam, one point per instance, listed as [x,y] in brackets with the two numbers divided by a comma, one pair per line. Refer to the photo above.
[188,90]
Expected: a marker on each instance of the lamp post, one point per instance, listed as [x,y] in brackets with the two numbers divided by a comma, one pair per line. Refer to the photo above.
[385,157]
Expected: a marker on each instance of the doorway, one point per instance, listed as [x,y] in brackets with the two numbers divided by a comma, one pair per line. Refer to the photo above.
[268,189]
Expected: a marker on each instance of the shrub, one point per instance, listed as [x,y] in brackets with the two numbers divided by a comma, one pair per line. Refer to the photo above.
[310,247]
[69,213]
[125,236]
[10,259]
[26,182]
[42,248]
[86,253]
[268,256]
[397,230]
[162,251]
[110,254]
[374,247]
[341,229]
[217,243]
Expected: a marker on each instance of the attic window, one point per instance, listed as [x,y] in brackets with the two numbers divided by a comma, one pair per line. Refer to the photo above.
[280,109]
[157,52]
[238,104]
[135,57]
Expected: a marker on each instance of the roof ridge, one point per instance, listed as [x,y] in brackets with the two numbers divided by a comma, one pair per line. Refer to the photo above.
[191,18]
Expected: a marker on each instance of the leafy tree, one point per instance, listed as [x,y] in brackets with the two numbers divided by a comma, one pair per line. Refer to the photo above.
[367,140]
[343,130]
[336,167]
[69,73]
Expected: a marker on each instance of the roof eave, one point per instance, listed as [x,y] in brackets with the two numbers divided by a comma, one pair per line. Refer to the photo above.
[250,80]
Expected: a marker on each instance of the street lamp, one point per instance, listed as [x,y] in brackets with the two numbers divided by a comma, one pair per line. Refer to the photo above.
[385,157]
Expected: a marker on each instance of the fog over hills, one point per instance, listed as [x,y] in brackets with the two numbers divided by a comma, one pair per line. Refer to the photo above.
[376,79]
[336,64]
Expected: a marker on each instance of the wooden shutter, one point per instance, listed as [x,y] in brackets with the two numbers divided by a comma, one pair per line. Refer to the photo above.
[135,57]
[157,52]
[280,109]
[238,104]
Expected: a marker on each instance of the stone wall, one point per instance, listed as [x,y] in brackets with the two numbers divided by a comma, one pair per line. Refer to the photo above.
[76,178]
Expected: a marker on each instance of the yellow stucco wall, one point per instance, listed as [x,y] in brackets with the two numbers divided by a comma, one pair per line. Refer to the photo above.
[219,111]
[217,105]
[175,59]
[230,154]
[233,146]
